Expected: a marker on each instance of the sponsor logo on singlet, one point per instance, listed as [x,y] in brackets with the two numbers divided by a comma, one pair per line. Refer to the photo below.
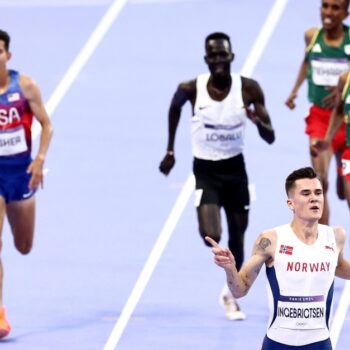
[317,48]
[347,49]
[329,248]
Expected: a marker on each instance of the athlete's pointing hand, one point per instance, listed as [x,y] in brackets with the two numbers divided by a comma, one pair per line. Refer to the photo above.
[222,256]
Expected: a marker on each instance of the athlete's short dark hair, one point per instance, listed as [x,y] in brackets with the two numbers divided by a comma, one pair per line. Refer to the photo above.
[217,35]
[302,173]
[5,38]
[346,4]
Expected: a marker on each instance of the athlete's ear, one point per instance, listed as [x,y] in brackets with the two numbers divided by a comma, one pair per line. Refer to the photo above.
[233,56]
[290,204]
[9,55]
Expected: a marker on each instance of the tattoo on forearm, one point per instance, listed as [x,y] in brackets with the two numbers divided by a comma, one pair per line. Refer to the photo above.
[246,284]
[264,243]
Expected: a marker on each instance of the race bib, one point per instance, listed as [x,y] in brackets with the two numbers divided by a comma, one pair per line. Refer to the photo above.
[301,312]
[325,71]
[12,141]
[223,136]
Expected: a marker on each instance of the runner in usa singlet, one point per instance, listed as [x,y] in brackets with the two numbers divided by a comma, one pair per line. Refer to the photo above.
[15,124]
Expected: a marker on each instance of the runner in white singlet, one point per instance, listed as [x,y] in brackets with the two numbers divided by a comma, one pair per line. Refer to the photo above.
[222,103]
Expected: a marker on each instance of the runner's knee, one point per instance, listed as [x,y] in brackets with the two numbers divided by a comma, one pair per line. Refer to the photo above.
[324,182]
[323,176]
[214,233]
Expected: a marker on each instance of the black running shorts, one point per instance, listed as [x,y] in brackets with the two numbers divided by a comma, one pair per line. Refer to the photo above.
[222,182]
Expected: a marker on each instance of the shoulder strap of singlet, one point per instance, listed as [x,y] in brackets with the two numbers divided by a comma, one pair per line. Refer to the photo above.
[345,88]
[313,40]
[347,30]
[14,78]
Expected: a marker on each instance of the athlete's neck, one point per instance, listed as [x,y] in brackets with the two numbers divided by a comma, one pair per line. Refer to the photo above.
[4,79]
[218,89]
[220,82]
[306,231]
[334,37]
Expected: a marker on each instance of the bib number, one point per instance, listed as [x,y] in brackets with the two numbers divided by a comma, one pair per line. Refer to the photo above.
[301,315]
[12,142]
[325,72]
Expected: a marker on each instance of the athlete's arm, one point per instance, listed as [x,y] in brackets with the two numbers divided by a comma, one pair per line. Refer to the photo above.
[330,100]
[335,121]
[240,282]
[253,95]
[186,91]
[32,93]
[337,116]
[302,71]
[343,267]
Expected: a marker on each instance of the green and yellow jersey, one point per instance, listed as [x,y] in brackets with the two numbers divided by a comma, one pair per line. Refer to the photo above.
[325,64]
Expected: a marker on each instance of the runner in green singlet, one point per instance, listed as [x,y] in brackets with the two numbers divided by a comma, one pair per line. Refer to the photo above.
[327,56]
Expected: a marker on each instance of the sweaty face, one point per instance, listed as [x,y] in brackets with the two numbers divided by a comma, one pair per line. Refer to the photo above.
[333,13]
[218,57]
[306,199]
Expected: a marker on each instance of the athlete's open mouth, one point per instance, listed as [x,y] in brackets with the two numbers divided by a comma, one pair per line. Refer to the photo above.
[327,20]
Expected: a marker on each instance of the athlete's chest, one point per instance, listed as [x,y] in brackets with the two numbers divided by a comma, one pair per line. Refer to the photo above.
[12,106]
[298,264]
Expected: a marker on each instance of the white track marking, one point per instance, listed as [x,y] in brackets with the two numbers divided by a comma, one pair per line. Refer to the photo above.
[152,2]
[80,61]
[52,3]
[185,194]
[263,37]
[151,263]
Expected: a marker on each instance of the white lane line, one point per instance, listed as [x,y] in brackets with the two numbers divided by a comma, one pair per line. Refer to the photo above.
[52,3]
[263,37]
[151,263]
[152,2]
[79,62]
[340,314]
[182,200]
